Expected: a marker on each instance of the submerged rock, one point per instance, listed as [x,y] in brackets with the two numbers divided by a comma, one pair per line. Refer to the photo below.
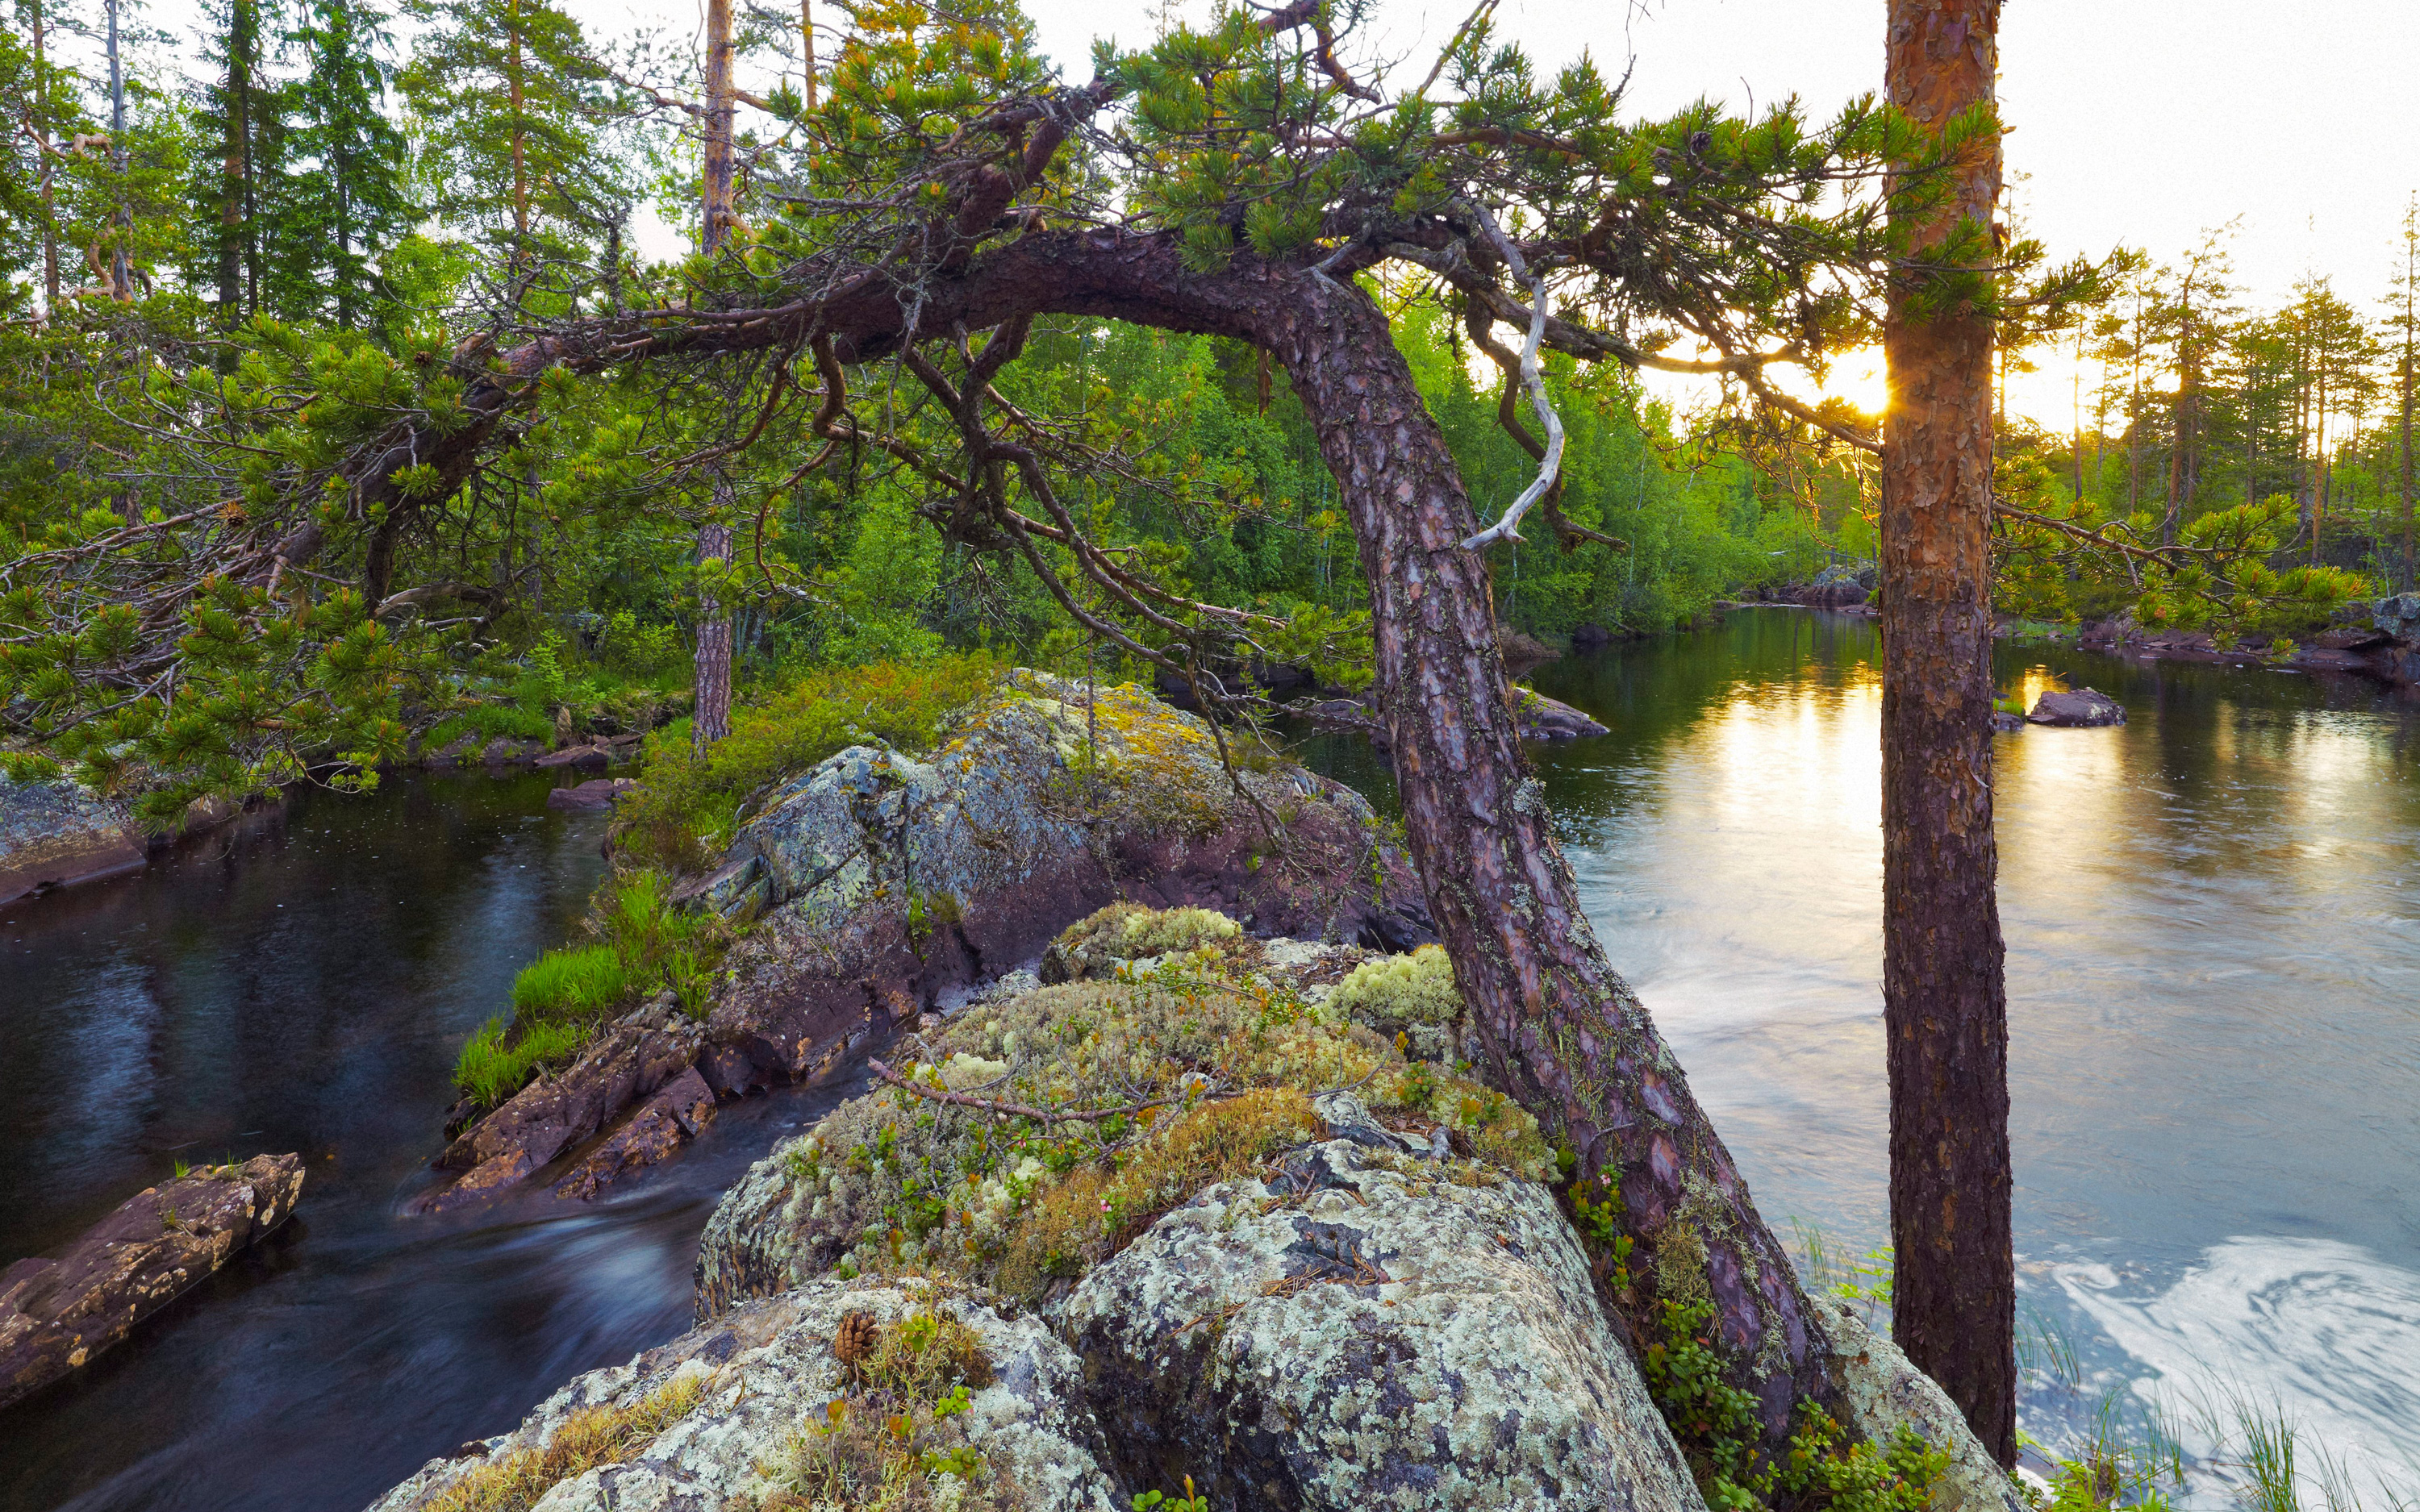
[56,1314]
[53,834]
[2083,708]
[1366,1328]
[722,1416]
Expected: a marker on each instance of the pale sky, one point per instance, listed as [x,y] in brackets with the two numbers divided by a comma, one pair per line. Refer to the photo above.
[2139,122]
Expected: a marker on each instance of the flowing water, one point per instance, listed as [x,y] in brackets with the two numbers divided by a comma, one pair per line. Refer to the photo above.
[2212,916]
[303,986]
[2214,925]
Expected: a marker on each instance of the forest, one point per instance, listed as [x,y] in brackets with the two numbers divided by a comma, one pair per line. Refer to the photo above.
[356,421]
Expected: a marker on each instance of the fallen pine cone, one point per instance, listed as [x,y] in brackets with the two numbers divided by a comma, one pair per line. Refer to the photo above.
[854,1344]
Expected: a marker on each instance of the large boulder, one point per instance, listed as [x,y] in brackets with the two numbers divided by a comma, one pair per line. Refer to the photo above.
[1886,1393]
[732,1414]
[877,883]
[56,1314]
[55,833]
[2084,707]
[1369,1327]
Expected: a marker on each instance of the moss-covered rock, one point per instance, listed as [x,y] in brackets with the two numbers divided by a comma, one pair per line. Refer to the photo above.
[1184,1076]
[739,1414]
[1412,995]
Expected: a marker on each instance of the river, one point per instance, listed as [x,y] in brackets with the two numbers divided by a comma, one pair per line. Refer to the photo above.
[2213,926]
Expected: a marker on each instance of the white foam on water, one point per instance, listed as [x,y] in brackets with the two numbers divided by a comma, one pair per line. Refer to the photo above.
[2322,1332]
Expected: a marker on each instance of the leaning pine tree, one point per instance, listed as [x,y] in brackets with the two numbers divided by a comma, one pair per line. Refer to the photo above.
[1243,181]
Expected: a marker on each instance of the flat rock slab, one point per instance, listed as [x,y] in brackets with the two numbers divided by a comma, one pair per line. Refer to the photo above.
[589,796]
[56,1314]
[2083,708]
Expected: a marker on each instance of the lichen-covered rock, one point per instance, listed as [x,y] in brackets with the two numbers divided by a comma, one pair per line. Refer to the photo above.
[904,1179]
[1369,1329]
[884,882]
[1884,1393]
[750,1388]
[56,1314]
[55,833]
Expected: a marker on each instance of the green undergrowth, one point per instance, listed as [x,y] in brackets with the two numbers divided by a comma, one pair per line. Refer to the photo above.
[685,808]
[1717,1428]
[895,1440]
[1198,1072]
[554,689]
[644,946]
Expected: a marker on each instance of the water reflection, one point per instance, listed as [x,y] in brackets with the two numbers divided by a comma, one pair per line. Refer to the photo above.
[2214,925]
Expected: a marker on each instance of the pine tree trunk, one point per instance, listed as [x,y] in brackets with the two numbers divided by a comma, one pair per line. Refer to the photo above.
[1564,1034]
[42,136]
[711,720]
[1944,1009]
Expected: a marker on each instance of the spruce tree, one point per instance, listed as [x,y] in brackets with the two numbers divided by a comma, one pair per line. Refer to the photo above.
[239,122]
[346,200]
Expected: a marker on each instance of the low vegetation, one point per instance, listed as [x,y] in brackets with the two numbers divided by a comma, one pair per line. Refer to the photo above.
[894,1441]
[686,807]
[1101,1103]
[589,1437]
[645,946]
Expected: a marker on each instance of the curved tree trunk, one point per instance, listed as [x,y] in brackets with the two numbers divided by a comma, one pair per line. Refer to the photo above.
[1944,1004]
[1568,1038]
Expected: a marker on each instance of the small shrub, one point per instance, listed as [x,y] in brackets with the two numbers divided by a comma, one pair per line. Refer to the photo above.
[489,1072]
[587,1439]
[571,984]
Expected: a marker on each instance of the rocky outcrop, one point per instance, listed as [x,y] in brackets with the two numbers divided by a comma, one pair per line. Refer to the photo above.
[749,1392]
[56,1314]
[53,834]
[2084,707]
[877,882]
[1370,1327]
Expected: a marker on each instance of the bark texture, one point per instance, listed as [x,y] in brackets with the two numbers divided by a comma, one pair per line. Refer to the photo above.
[711,720]
[1944,1006]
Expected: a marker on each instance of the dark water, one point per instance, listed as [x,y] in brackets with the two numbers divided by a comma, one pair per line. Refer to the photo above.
[2214,925]
[305,986]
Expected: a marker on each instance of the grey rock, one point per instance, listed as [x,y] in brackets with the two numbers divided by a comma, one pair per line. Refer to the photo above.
[53,834]
[2398,616]
[768,1371]
[2084,707]
[1884,1393]
[1369,1331]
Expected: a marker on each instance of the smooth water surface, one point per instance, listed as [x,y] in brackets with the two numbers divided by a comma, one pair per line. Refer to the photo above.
[2212,916]
[303,986]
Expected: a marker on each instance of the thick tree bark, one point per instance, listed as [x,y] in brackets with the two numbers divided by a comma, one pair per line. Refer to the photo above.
[711,720]
[1944,1007]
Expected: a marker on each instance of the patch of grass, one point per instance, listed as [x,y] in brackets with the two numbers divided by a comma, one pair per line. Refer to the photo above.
[571,984]
[587,1439]
[490,1071]
[685,808]
[2015,704]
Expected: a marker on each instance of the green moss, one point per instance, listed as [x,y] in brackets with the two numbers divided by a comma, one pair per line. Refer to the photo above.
[894,1182]
[1130,932]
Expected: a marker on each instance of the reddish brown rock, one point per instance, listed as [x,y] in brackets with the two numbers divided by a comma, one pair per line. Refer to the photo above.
[53,834]
[2083,707]
[56,1314]
[663,1123]
[587,757]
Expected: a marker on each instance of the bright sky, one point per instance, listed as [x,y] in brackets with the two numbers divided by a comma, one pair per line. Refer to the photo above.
[2136,121]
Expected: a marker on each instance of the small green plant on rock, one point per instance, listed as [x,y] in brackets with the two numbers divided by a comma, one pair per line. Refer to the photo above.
[1412,995]
[1716,1422]
[594,1435]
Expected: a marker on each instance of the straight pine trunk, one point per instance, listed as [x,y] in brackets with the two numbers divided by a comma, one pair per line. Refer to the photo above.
[1944,1009]
[711,720]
